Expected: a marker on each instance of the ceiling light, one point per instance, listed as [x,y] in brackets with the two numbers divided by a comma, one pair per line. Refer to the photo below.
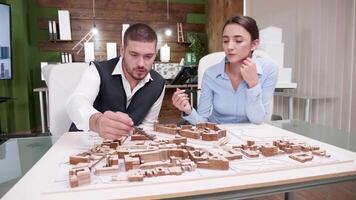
[94,30]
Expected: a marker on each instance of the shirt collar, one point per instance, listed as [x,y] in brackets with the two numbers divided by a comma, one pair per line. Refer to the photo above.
[118,71]
[221,71]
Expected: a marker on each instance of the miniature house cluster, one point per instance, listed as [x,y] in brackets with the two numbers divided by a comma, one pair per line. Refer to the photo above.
[301,151]
[204,131]
[146,156]
[84,163]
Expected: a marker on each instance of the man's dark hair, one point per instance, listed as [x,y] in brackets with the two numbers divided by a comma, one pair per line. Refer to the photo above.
[247,22]
[141,33]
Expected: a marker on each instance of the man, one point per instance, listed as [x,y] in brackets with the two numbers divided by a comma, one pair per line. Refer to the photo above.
[113,96]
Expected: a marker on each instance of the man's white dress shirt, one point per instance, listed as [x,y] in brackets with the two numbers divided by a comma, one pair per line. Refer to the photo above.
[80,103]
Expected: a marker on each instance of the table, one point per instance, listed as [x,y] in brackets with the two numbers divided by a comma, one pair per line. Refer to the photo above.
[307,98]
[342,139]
[282,86]
[18,155]
[279,91]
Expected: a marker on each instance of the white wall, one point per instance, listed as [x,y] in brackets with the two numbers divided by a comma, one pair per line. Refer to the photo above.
[319,39]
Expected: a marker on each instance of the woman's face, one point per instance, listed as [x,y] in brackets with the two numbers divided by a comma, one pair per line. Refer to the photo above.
[237,43]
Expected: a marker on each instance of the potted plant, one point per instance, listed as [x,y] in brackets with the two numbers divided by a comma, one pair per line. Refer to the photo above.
[197,48]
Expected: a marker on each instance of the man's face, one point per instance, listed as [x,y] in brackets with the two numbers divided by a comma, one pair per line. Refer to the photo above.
[138,58]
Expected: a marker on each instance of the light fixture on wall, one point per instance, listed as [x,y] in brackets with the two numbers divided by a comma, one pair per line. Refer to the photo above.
[168,31]
[94,30]
[88,36]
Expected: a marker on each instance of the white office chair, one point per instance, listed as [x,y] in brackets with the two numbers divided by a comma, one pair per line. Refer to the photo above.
[61,80]
[206,62]
[214,58]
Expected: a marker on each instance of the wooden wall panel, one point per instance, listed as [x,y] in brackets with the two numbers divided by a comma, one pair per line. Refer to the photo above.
[109,17]
[218,12]
[168,113]
[123,5]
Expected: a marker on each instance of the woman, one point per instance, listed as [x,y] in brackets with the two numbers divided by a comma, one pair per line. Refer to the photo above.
[237,89]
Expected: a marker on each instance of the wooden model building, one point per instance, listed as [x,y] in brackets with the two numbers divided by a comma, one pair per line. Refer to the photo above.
[204,131]
[147,159]
[146,156]
[79,176]
[300,151]
[301,157]
[170,157]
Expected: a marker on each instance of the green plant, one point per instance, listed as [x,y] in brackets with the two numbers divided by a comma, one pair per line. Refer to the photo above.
[196,45]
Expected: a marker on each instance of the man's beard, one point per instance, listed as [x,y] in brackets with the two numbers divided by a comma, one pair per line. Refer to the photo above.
[131,73]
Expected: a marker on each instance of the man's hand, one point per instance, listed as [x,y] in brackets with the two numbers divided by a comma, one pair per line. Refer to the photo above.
[111,125]
[180,100]
[249,72]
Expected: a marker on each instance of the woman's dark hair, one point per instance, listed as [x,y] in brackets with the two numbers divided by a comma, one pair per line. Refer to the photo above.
[141,33]
[247,22]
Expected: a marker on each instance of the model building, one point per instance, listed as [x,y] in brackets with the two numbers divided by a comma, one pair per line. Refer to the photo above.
[144,155]
[205,131]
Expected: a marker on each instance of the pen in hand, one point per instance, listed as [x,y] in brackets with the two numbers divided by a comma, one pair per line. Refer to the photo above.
[142,132]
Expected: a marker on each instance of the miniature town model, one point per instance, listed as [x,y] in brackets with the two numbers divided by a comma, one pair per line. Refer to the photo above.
[204,131]
[145,155]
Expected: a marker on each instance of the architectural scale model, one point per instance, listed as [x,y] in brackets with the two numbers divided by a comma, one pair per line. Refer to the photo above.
[204,131]
[144,155]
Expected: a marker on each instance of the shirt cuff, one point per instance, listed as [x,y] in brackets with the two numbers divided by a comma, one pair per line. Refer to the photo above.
[192,117]
[81,120]
[86,119]
[254,91]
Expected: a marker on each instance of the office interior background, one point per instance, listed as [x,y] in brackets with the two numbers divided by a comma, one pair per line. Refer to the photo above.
[319,38]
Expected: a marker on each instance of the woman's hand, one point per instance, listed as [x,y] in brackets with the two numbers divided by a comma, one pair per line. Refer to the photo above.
[180,100]
[249,72]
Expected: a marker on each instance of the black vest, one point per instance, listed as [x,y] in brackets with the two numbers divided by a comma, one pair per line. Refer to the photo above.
[112,95]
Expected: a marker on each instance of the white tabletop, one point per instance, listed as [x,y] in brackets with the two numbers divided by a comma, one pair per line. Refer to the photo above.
[42,181]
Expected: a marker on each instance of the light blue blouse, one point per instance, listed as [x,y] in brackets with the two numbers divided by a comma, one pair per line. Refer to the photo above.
[220,103]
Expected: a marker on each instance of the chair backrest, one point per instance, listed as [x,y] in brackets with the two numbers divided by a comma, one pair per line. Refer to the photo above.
[206,62]
[61,81]
[214,58]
